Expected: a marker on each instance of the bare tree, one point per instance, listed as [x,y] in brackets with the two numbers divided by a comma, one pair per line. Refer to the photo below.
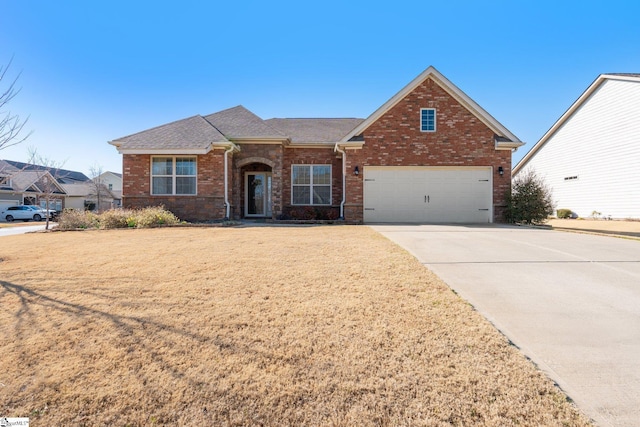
[98,188]
[49,173]
[10,124]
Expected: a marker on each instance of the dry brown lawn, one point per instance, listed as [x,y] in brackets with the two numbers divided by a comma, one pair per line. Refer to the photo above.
[317,326]
[617,227]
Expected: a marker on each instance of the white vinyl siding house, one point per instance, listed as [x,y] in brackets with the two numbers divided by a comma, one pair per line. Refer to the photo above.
[590,156]
[113,182]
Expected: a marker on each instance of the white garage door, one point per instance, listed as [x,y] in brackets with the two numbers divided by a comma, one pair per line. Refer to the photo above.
[425,194]
[4,204]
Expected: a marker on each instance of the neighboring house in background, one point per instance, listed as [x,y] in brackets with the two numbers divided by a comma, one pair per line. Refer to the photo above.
[113,182]
[84,196]
[590,155]
[429,154]
[26,186]
[63,176]
[23,183]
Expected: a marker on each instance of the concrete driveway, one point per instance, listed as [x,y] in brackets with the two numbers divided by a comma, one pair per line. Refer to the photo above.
[570,302]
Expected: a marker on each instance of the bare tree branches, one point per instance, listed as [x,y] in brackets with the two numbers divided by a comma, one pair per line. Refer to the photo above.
[10,124]
[49,173]
[98,187]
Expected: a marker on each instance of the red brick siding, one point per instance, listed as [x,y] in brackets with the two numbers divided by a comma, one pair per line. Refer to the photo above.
[208,204]
[312,156]
[262,155]
[136,171]
[395,139]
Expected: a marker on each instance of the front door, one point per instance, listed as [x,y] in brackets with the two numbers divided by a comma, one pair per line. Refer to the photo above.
[257,198]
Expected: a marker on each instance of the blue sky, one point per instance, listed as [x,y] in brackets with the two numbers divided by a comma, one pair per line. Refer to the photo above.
[96,71]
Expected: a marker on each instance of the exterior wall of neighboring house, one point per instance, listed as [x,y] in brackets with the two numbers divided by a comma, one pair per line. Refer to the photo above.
[113,182]
[590,161]
[75,202]
[208,204]
[84,195]
[395,139]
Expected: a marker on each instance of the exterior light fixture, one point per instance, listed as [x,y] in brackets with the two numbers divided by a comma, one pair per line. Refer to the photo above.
[500,170]
[356,171]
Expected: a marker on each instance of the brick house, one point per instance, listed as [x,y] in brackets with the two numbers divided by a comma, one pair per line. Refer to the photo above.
[429,154]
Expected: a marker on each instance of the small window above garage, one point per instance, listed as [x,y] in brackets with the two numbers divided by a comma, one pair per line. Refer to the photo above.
[428,119]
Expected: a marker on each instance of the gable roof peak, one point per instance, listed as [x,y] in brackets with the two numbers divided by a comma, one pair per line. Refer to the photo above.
[582,99]
[432,73]
[240,123]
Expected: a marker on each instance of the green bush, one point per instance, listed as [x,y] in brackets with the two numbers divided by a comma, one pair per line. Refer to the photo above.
[564,213]
[530,200]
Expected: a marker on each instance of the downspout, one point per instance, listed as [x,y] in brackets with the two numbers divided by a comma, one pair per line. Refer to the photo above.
[344,179]
[226,180]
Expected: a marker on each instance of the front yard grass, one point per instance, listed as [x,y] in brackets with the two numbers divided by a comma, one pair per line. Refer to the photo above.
[331,326]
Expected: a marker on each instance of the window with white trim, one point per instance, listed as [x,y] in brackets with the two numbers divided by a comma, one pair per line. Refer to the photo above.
[173,175]
[428,119]
[311,184]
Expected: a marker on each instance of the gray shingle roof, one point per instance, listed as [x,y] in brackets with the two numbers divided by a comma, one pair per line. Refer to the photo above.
[190,133]
[62,175]
[24,179]
[238,122]
[314,130]
[235,123]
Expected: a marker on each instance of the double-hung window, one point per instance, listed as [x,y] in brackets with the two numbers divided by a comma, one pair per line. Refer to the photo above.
[173,175]
[311,184]
[428,119]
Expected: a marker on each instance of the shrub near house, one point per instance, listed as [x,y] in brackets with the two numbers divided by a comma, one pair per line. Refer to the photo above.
[530,201]
[563,213]
[117,218]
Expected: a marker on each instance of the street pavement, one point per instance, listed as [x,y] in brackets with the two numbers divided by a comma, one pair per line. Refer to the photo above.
[569,301]
[11,231]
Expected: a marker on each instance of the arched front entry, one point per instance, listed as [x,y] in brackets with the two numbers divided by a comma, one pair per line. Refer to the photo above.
[256,189]
[257,194]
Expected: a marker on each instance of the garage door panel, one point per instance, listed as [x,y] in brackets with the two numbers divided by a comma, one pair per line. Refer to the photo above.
[428,194]
[4,204]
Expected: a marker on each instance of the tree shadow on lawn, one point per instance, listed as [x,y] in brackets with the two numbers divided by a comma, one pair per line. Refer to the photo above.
[140,341]
[128,324]
[77,359]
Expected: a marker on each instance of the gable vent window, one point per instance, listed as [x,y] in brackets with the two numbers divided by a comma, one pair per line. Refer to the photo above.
[428,119]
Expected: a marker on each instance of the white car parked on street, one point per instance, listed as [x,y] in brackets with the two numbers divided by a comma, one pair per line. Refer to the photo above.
[23,212]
